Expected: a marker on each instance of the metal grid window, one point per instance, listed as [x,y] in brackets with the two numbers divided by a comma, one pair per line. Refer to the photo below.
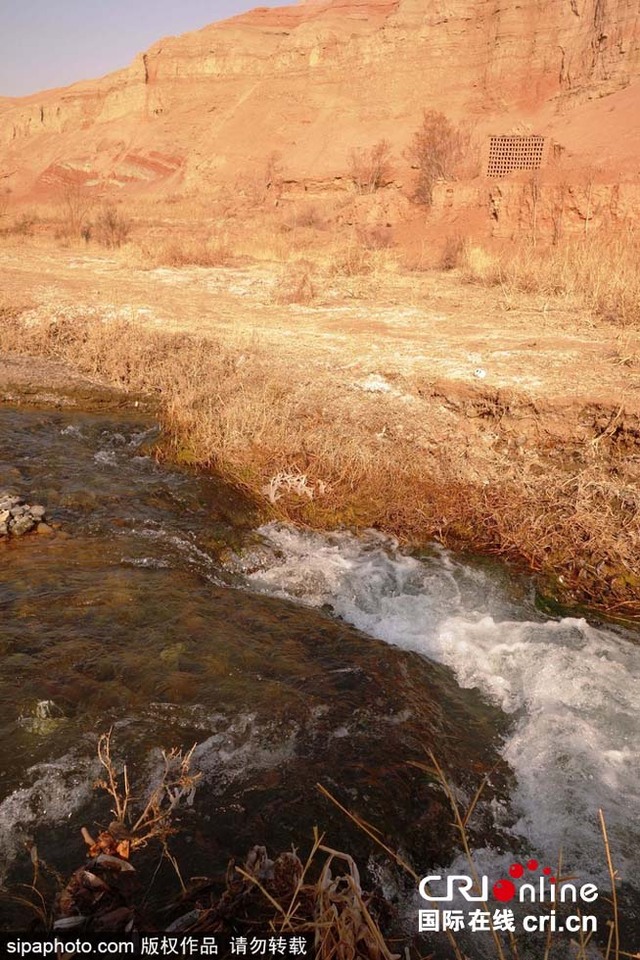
[514,153]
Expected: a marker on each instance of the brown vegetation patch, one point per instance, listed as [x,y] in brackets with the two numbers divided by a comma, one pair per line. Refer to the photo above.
[418,460]
[600,271]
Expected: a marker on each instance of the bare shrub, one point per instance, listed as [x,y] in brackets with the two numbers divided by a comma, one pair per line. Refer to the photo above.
[370,168]
[558,211]
[111,227]
[436,151]
[151,818]
[295,284]
[273,171]
[76,202]
[308,216]
[5,196]
[21,226]
[375,238]
[265,182]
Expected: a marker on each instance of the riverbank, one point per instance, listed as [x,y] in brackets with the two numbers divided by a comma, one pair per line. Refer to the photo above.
[414,403]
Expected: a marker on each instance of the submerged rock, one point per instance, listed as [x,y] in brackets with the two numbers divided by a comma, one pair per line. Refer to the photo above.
[22,524]
[17,517]
[42,717]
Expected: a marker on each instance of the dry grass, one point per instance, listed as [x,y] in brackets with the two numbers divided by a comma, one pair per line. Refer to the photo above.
[295,283]
[333,907]
[601,271]
[21,225]
[184,231]
[392,460]
[140,822]
[322,896]
[184,252]
[325,232]
[569,512]
[507,946]
[359,256]
[291,238]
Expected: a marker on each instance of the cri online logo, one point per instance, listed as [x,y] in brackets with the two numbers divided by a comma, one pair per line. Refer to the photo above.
[544,889]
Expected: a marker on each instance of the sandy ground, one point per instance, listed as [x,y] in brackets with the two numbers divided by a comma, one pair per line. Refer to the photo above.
[429,327]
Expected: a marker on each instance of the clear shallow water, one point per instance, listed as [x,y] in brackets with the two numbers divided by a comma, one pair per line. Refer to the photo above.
[137,619]
[288,658]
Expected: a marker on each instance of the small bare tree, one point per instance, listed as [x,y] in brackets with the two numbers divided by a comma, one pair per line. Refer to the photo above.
[436,151]
[370,168]
[265,183]
[76,206]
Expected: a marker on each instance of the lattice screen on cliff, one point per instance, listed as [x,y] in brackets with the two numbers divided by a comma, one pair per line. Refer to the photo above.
[514,152]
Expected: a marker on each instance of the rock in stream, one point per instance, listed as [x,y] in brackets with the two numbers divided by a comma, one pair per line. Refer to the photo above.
[18,517]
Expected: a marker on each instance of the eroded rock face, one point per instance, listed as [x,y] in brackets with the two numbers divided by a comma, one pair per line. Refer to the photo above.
[18,517]
[315,79]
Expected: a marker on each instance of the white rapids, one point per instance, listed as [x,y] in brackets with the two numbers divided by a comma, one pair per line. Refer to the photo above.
[572,689]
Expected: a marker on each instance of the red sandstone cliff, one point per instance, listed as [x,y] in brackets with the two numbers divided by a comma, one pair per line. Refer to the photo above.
[315,79]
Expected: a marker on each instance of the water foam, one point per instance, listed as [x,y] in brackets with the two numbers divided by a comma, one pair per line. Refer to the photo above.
[244,746]
[52,792]
[573,690]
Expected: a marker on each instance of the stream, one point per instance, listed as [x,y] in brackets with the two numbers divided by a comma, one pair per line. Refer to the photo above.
[163,610]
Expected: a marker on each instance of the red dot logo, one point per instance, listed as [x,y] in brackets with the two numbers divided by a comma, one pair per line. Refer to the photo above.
[504,890]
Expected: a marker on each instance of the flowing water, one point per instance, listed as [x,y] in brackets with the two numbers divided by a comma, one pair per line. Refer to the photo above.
[289,658]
